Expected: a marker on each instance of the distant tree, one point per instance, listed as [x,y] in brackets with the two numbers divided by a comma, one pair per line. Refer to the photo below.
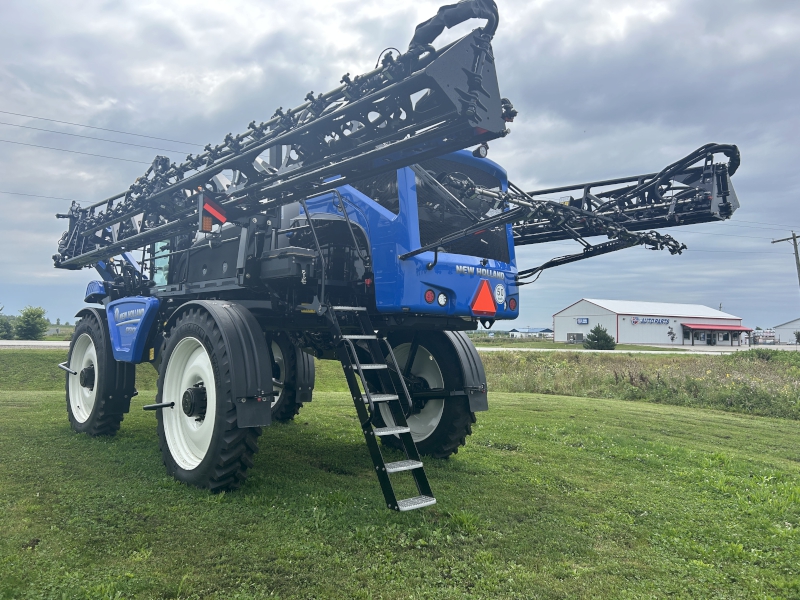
[31,324]
[58,321]
[758,328]
[6,329]
[599,339]
[797,337]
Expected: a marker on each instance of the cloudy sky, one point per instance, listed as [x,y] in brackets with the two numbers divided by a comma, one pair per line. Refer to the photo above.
[605,88]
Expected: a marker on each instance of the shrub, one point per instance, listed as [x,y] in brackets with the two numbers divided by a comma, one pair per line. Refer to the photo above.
[599,339]
[31,324]
[6,330]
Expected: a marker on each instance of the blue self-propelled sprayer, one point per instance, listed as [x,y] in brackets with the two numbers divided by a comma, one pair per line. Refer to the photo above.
[365,226]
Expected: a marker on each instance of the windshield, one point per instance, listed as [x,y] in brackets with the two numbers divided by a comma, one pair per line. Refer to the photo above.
[443,210]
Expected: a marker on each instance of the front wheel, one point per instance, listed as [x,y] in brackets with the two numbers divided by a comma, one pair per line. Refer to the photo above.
[95,393]
[439,425]
[200,441]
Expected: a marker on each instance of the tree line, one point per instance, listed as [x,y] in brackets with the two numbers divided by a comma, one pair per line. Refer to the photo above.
[30,324]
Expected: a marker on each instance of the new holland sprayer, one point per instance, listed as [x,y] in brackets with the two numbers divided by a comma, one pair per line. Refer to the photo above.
[365,226]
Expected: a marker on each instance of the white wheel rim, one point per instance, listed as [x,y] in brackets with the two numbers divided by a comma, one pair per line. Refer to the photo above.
[425,422]
[187,438]
[81,399]
[278,382]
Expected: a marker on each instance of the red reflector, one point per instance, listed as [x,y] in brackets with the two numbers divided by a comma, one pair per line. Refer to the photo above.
[214,210]
[430,296]
[483,303]
[512,304]
[481,130]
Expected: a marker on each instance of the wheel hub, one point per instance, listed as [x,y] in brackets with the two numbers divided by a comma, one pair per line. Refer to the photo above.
[194,401]
[417,386]
[86,377]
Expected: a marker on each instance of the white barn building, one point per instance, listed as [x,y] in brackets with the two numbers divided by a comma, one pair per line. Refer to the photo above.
[632,322]
[784,334]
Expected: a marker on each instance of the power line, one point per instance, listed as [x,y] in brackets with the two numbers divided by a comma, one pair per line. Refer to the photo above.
[5,112]
[757,226]
[783,227]
[75,152]
[88,137]
[38,196]
[752,237]
[740,252]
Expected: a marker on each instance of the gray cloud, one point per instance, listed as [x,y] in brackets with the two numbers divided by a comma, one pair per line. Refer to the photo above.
[604,88]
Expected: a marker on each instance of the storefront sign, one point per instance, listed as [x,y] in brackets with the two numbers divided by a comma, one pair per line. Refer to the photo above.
[648,321]
[583,320]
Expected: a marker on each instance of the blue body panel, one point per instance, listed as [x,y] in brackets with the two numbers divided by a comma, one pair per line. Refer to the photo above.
[400,285]
[129,323]
[95,292]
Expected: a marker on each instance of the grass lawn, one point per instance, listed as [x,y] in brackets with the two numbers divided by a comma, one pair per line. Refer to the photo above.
[553,497]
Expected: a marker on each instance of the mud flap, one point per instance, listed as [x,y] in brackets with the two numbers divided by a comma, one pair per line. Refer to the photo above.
[305,376]
[474,376]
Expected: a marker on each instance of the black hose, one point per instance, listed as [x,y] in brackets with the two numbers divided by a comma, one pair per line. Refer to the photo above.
[455,14]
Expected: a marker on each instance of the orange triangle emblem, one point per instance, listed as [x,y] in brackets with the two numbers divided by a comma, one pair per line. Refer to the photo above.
[483,303]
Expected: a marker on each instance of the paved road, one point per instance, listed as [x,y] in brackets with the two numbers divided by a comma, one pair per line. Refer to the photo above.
[713,350]
[493,349]
[28,344]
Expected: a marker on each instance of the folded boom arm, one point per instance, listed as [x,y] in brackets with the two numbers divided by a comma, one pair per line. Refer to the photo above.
[680,194]
[422,103]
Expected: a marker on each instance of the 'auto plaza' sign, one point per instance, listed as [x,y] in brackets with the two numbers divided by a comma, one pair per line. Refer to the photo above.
[649,321]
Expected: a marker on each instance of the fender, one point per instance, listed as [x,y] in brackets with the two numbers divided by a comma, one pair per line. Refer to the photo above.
[471,369]
[125,376]
[251,362]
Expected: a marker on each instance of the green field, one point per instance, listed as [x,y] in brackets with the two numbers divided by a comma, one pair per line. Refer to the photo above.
[553,497]
[758,382]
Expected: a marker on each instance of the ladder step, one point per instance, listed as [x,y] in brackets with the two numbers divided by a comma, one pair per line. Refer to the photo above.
[350,308]
[403,465]
[370,366]
[415,502]
[381,397]
[359,337]
[379,431]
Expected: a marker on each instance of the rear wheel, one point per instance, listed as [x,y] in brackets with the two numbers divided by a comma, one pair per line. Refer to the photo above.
[439,425]
[285,405]
[200,441]
[93,394]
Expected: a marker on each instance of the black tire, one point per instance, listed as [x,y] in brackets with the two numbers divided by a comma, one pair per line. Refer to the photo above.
[284,370]
[223,464]
[97,407]
[456,420]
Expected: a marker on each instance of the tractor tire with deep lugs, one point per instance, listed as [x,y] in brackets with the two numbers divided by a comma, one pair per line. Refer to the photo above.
[100,391]
[200,441]
[443,424]
[286,404]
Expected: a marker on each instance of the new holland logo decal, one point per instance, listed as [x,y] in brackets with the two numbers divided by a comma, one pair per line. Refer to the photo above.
[479,271]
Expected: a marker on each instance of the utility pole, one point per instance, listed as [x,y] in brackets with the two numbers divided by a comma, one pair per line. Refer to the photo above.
[793,239]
